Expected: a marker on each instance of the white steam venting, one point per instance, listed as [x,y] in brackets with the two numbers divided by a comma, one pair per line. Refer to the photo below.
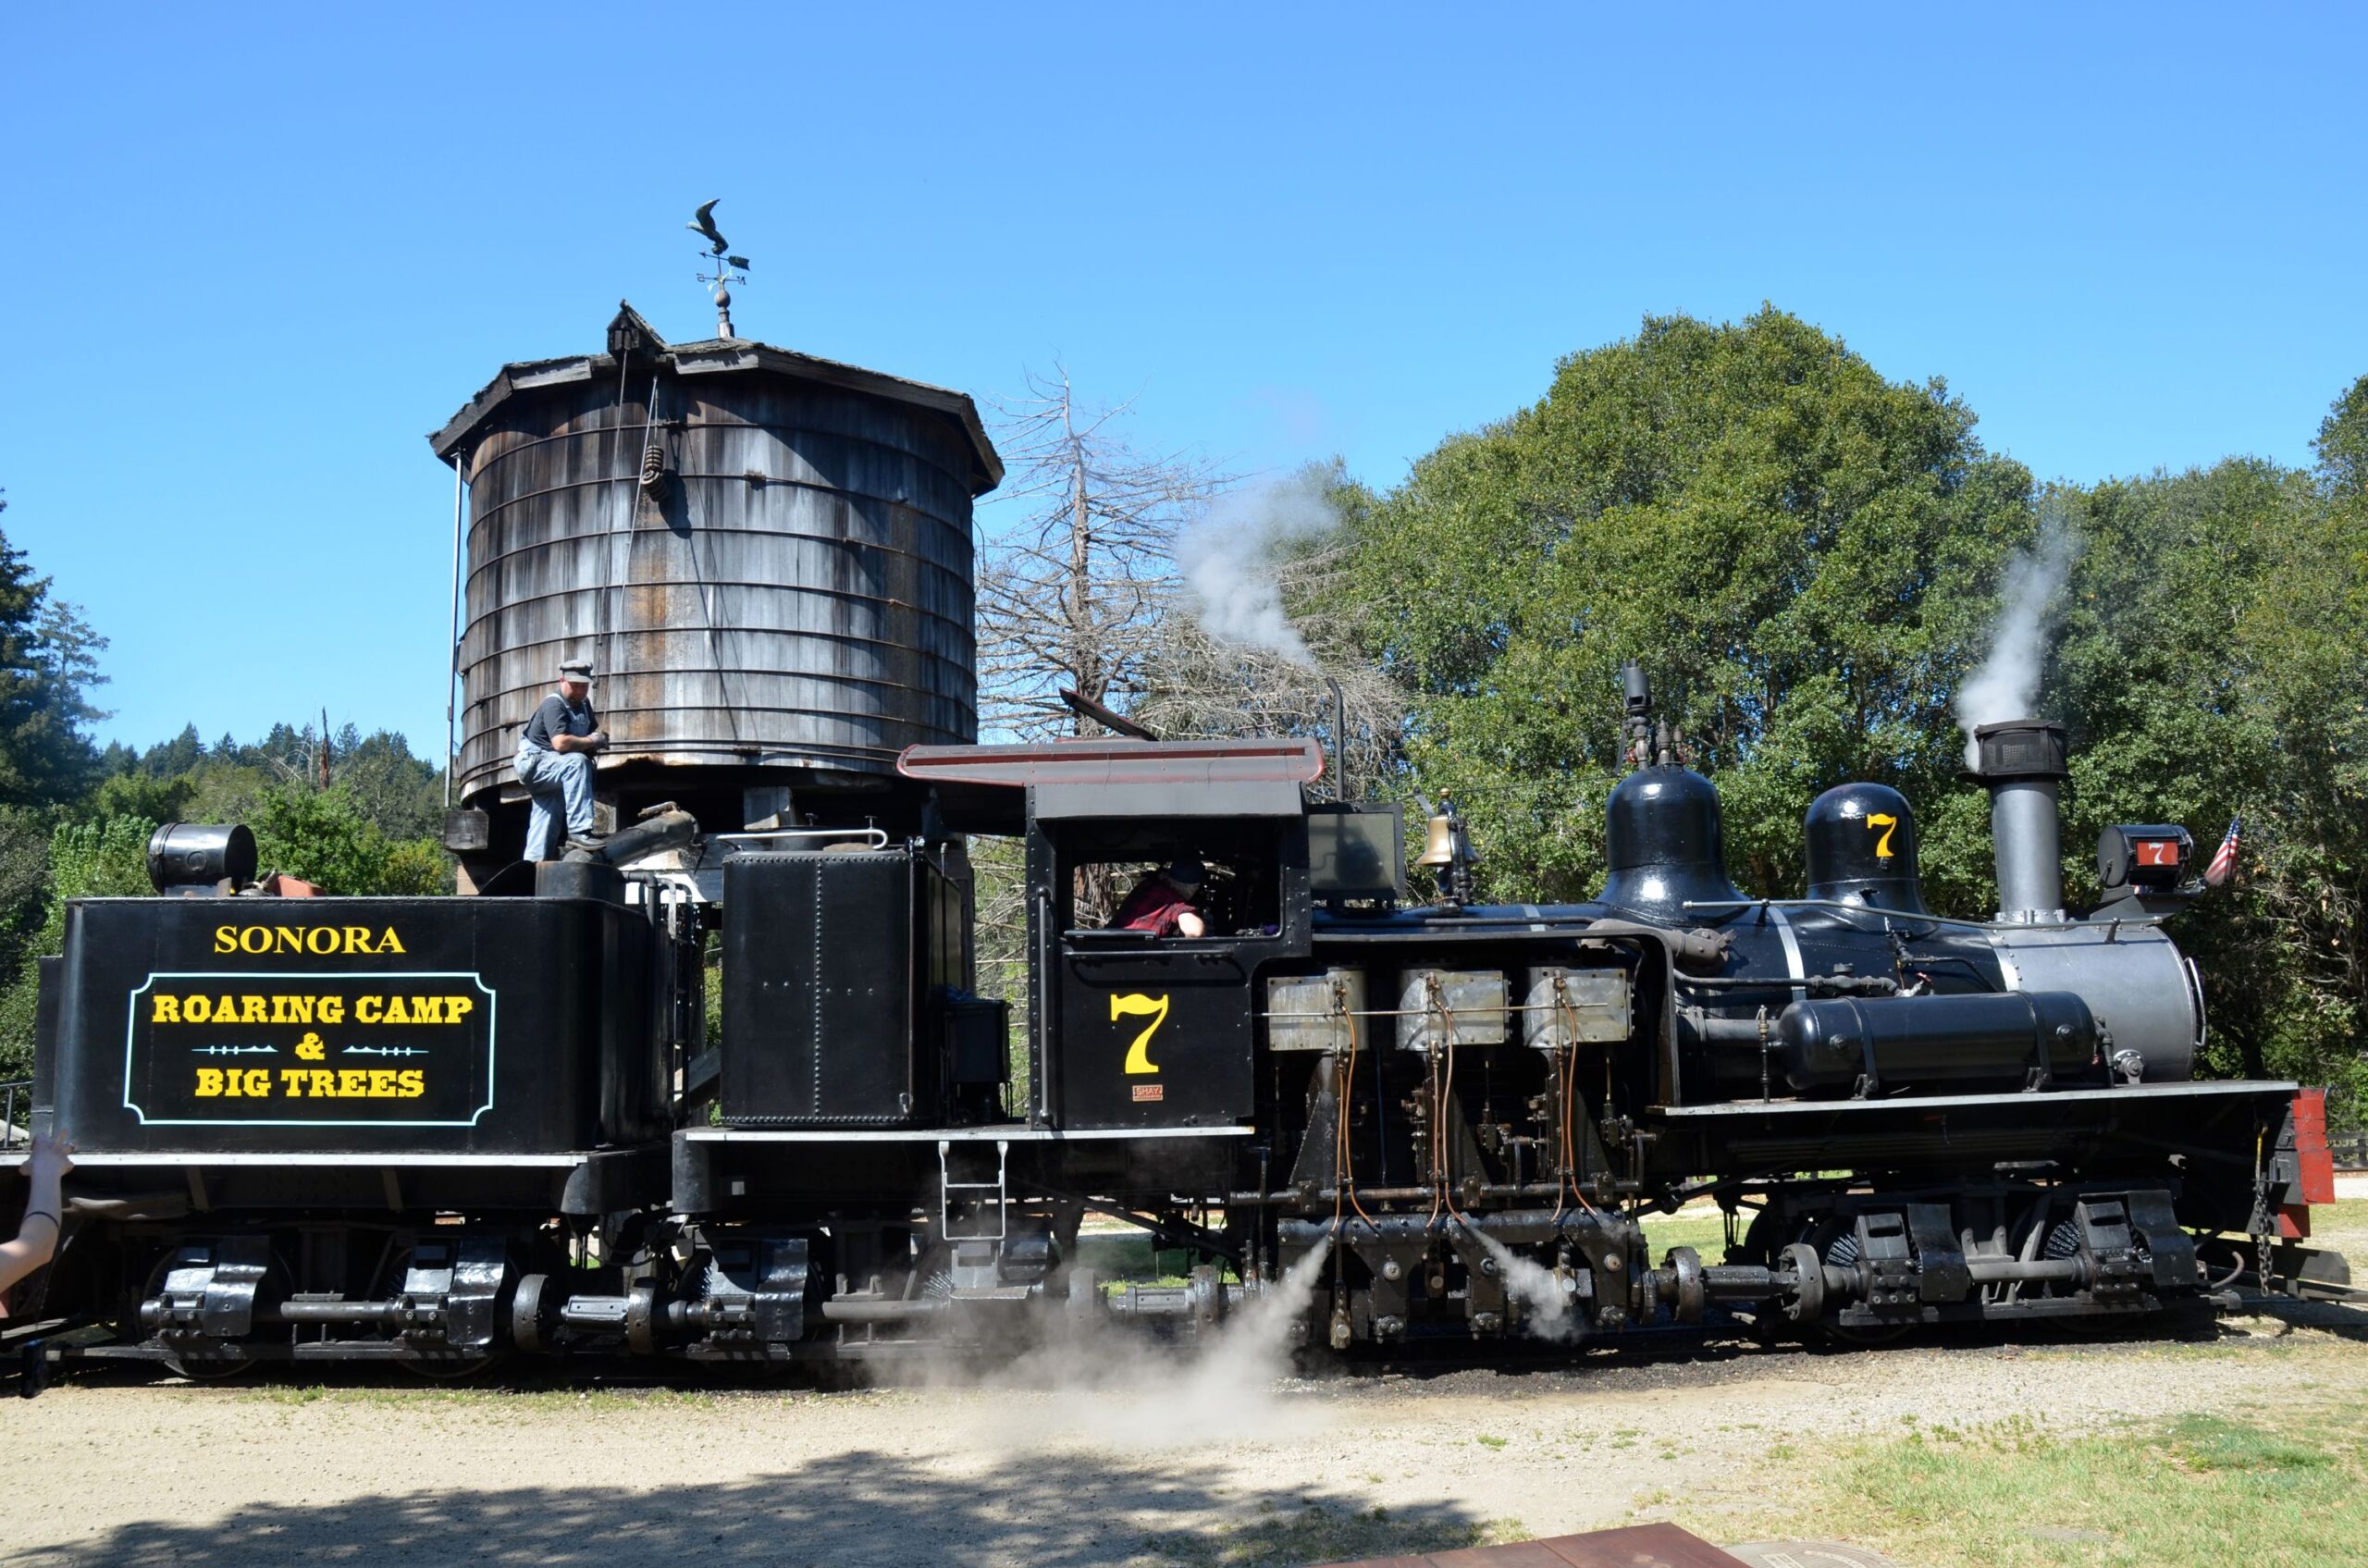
[2006,686]
[1229,558]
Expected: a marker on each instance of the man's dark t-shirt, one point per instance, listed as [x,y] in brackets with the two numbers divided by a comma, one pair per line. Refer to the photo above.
[556,718]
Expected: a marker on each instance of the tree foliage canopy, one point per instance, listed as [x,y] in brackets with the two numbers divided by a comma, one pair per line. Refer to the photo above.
[1798,550]
[48,667]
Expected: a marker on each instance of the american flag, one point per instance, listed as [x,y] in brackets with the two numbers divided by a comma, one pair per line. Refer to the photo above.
[2224,859]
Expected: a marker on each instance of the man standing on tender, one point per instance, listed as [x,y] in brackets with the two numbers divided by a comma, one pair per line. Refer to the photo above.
[555,762]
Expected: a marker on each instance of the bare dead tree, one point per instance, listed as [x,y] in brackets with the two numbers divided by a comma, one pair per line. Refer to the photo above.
[1072,589]
[1081,589]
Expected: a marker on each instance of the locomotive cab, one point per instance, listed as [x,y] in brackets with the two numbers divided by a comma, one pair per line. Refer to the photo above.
[1155,1032]
[1128,1030]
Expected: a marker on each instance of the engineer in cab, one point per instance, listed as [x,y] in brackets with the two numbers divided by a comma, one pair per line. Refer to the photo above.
[1166,902]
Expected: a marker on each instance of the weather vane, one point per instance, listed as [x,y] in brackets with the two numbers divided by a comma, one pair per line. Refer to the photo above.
[729,269]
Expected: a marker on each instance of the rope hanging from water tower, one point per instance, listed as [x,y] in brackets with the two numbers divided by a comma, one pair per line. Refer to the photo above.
[653,450]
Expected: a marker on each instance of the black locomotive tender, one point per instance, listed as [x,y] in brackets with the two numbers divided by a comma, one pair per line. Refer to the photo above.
[437,1131]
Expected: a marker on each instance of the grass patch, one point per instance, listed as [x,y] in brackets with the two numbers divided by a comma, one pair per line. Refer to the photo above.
[1272,1539]
[2342,1228]
[1129,1258]
[2289,1489]
[1700,1227]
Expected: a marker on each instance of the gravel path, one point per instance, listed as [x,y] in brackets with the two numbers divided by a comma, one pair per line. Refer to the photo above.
[156,1473]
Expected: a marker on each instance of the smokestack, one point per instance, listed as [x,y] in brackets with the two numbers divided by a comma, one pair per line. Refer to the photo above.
[2021,761]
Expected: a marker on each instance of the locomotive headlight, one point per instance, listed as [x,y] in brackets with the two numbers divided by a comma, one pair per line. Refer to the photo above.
[2146,859]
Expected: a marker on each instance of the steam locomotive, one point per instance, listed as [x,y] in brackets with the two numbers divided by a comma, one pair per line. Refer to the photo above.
[433,1131]
[436,1132]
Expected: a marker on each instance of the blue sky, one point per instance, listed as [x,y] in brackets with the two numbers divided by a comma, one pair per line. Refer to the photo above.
[253,255]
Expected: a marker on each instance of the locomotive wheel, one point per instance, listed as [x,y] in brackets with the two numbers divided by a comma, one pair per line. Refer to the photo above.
[2064,1242]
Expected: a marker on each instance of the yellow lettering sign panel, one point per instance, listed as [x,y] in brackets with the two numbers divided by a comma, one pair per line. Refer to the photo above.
[386,1048]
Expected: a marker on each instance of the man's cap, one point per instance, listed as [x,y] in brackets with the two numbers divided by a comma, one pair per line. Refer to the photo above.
[576,669]
[1189,872]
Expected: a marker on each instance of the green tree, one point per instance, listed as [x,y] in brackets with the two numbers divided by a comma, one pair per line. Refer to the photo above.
[143,795]
[2342,443]
[173,758]
[401,792]
[1799,551]
[101,857]
[2209,664]
[48,666]
[325,837]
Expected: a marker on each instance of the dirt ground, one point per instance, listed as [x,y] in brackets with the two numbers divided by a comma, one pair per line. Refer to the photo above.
[1182,1468]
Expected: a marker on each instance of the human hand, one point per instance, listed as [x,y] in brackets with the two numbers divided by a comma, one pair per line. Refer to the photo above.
[52,1155]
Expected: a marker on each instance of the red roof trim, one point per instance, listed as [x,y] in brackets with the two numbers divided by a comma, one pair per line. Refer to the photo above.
[1104,761]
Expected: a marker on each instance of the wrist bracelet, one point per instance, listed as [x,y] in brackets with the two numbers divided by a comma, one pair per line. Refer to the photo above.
[41,1213]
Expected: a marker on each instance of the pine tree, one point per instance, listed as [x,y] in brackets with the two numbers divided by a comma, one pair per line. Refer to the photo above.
[48,664]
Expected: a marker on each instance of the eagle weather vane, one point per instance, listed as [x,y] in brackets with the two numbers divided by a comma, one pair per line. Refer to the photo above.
[728,268]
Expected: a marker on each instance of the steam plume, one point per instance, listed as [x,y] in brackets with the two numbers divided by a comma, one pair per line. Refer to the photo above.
[2008,684]
[1549,1314]
[1119,1388]
[1228,561]
[1234,1372]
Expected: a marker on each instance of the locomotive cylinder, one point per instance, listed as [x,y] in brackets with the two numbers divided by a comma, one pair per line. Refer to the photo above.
[1925,1040]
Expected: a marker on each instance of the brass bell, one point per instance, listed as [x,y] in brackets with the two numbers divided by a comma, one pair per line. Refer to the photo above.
[1438,845]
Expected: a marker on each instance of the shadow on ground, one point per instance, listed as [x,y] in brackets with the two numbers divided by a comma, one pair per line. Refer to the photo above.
[2343,1319]
[853,1509]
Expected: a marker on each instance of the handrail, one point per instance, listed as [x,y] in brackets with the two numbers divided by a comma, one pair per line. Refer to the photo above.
[2111,923]
[16,1096]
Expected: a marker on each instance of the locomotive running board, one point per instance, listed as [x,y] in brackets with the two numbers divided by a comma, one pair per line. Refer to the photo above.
[413,1161]
[697,1135]
[2133,1095]
[950,1134]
